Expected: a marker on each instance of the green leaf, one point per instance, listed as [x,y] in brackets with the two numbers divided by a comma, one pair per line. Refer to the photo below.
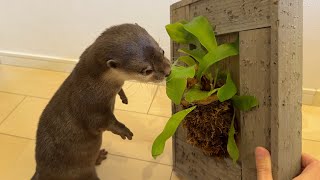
[196,94]
[221,52]
[216,73]
[178,34]
[228,90]
[232,145]
[202,29]
[187,59]
[177,82]
[197,53]
[168,131]
[244,103]
[175,89]
[182,72]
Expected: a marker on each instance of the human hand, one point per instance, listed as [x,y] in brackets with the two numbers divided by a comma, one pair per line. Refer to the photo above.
[310,166]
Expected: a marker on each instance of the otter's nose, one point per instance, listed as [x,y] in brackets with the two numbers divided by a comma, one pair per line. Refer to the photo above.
[167,74]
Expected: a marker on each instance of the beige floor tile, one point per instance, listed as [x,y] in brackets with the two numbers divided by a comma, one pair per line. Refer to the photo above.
[311,147]
[145,129]
[32,82]
[140,96]
[7,104]
[121,168]
[311,123]
[24,120]
[161,104]
[17,158]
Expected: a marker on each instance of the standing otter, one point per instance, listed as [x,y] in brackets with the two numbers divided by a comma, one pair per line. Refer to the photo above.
[69,134]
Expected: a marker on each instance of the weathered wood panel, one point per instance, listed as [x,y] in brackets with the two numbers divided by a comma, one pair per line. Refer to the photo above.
[178,15]
[269,70]
[254,77]
[230,15]
[195,166]
[286,87]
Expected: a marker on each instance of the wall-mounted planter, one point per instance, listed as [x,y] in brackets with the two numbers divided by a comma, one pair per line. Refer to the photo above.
[269,66]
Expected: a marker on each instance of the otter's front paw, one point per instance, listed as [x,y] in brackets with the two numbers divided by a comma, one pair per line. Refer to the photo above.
[126,133]
[125,101]
[121,130]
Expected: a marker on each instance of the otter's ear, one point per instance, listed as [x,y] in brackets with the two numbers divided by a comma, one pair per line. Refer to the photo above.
[112,64]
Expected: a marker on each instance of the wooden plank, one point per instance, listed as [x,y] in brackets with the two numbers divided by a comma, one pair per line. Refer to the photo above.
[254,77]
[286,87]
[194,165]
[176,15]
[182,3]
[230,15]
[232,63]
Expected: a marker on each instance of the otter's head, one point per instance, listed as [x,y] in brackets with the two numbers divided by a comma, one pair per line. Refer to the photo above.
[130,53]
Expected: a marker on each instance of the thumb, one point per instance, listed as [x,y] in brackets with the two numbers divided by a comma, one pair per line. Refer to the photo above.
[263,164]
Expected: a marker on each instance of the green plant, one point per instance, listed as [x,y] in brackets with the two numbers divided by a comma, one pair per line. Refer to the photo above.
[184,85]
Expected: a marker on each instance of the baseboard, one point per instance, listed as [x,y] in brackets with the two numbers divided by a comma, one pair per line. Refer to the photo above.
[37,61]
[309,96]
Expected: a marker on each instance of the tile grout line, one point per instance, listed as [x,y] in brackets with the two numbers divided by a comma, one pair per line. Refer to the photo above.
[154,96]
[171,174]
[49,99]
[4,119]
[133,158]
[24,95]
[19,137]
[141,113]
[312,140]
[123,156]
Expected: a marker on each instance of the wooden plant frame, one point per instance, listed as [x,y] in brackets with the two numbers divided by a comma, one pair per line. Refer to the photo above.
[269,66]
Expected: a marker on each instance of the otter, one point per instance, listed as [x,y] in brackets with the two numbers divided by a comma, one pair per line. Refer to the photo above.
[69,133]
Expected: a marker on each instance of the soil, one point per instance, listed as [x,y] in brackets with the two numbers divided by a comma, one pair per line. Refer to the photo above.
[208,126]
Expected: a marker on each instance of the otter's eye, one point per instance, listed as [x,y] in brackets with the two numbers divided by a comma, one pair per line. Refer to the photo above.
[162,52]
[146,71]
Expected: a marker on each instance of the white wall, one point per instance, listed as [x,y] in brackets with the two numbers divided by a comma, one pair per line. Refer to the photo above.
[311,43]
[64,28]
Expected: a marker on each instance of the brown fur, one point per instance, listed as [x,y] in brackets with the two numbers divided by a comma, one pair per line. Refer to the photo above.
[70,129]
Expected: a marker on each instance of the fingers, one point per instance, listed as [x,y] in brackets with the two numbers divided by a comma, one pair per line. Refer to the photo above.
[263,164]
[312,169]
[307,160]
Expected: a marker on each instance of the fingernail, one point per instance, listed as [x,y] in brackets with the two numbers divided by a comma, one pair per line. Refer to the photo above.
[261,153]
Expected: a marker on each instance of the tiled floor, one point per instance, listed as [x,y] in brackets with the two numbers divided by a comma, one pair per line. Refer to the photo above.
[24,93]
